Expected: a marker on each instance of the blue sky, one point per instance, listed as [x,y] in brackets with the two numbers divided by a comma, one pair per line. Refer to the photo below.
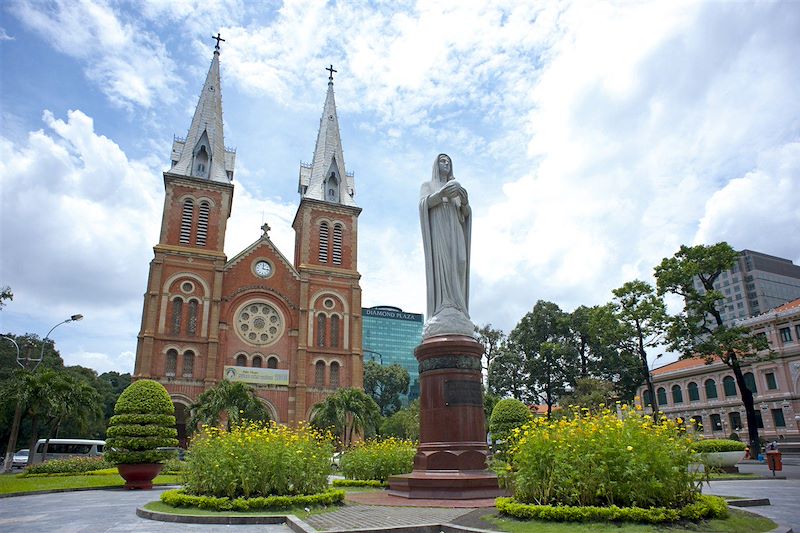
[593,138]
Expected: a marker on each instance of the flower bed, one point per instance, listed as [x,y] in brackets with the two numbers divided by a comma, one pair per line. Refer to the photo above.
[602,460]
[378,459]
[255,460]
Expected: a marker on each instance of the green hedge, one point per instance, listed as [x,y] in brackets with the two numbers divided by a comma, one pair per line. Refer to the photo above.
[74,465]
[179,498]
[134,430]
[718,445]
[144,396]
[359,483]
[705,507]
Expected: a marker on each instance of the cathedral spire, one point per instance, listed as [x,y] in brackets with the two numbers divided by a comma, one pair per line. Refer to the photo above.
[326,178]
[202,154]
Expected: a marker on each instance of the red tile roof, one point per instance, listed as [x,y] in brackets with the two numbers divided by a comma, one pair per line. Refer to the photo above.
[683,364]
[788,305]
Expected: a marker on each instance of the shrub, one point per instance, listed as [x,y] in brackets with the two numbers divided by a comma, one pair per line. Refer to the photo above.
[378,459]
[73,465]
[603,460]
[173,466]
[704,508]
[256,459]
[143,423]
[359,483]
[507,415]
[719,445]
[181,498]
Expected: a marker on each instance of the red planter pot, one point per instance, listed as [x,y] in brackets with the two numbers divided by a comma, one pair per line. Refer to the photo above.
[139,476]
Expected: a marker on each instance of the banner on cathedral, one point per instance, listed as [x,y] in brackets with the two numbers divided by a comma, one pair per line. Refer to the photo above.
[257,376]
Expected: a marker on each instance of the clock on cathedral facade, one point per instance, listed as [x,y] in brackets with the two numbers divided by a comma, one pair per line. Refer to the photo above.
[290,328]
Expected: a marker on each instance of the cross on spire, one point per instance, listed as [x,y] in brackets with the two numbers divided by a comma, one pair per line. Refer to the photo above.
[218,38]
[331,70]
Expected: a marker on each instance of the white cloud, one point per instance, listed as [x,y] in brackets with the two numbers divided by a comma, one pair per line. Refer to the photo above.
[127,63]
[5,36]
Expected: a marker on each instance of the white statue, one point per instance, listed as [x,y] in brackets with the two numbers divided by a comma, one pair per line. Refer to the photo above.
[446,220]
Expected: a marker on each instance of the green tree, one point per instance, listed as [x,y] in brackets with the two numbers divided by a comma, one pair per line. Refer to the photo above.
[71,398]
[507,415]
[5,294]
[347,413]
[542,338]
[404,424]
[507,374]
[232,401]
[698,330]
[590,393]
[492,340]
[643,319]
[385,384]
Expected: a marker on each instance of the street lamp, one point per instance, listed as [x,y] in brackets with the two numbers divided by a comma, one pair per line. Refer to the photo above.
[24,363]
[380,355]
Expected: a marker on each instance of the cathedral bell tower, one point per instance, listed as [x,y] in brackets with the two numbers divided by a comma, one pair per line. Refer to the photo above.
[326,251]
[179,339]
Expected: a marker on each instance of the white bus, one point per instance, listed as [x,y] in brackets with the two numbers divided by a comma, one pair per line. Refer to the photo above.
[63,448]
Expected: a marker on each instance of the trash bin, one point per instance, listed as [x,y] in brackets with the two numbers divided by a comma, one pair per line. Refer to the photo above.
[774,461]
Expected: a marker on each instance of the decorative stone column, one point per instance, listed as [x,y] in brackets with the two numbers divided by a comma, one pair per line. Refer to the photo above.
[451,459]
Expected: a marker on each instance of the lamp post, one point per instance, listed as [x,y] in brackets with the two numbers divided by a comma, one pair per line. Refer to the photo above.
[24,363]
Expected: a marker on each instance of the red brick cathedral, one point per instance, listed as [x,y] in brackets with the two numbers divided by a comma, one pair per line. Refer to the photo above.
[292,329]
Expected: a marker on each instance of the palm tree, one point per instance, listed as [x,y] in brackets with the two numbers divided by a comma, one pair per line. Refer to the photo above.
[235,401]
[347,412]
[70,398]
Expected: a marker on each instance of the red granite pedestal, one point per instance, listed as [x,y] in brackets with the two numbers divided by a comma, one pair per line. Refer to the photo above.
[451,459]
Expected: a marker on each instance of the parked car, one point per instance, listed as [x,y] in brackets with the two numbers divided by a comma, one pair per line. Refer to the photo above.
[20,458]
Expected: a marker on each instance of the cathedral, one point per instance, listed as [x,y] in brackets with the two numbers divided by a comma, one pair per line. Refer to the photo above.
[290,328]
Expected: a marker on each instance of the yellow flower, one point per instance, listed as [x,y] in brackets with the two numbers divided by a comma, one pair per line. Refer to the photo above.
[629,448]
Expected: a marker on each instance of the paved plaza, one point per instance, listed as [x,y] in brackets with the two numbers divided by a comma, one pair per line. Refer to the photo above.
[114,510]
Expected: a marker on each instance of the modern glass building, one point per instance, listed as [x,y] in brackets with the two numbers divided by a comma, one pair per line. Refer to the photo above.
[389,337]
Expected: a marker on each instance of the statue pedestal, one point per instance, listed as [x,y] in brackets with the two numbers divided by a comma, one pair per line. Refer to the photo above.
[451,459]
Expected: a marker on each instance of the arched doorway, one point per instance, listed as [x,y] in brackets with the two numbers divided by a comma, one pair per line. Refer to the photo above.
[182,416]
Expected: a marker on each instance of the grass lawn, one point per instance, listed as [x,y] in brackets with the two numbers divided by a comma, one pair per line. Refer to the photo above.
[724,476]
[737,522]
[10,484]
[299,512]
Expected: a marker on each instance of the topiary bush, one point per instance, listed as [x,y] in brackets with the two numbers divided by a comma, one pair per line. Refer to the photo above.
[507,415]
[144,421]
[718,445]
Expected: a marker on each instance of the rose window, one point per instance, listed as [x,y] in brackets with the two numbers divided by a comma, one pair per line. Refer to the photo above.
[259,323]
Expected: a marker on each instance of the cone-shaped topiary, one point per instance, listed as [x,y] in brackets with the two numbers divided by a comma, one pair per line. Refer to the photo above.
[507,415]
[144,421]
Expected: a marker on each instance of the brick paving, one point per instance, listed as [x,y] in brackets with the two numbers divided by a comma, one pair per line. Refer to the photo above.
[353,517]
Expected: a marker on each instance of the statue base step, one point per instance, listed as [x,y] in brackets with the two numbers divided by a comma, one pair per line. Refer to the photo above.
[446,485]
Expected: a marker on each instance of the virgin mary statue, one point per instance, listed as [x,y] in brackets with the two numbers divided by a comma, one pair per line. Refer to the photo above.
[446,220]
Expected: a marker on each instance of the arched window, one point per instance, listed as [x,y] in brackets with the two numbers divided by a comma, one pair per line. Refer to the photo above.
[716,422]
[322,321]
[694,392]
[332,188]
[319,374]
[750,382]
[335,331]
[661,395]
[188,364]
[337,244]
[202,224]
[192,326]
[171,365]
[256,361]
[736,421]
[241,360]
[186,221]
[646,398]
[272,362]
[711,389]
[177,315]
[201,162]
[323,242]
[729,386]
[677,394]
[333,379]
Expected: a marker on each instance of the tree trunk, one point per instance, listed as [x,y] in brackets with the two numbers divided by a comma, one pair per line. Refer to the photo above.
[12,439]
[749,405]
[53,429]
[34,438]
[646,372]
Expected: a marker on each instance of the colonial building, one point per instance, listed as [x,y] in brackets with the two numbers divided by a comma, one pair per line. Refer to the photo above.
[707,393]
[290,327]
